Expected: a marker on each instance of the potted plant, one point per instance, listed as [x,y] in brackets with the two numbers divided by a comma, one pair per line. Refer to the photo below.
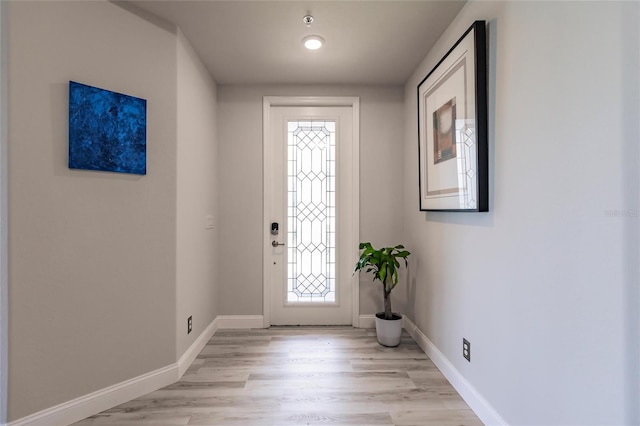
[383,264]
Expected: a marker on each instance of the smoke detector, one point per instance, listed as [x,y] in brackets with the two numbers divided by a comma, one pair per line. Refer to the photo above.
[308,20]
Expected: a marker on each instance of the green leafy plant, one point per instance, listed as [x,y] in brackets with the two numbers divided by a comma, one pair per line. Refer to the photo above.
[383,264]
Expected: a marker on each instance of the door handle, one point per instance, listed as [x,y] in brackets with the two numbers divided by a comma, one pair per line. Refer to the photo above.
[276,244]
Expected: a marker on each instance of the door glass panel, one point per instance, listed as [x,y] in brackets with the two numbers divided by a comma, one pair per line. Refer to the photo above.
[311,211]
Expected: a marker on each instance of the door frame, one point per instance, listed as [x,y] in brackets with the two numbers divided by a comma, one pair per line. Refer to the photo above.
[320,101]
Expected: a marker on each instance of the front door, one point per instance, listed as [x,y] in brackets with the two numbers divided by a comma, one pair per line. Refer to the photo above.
[312,243]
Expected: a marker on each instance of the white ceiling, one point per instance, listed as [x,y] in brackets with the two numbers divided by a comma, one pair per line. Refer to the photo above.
[260,42]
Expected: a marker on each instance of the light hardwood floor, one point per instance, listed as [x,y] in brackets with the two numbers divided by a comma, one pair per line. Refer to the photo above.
[301,376]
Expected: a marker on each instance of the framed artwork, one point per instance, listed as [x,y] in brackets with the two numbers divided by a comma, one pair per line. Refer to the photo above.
[452,128]
[107,130]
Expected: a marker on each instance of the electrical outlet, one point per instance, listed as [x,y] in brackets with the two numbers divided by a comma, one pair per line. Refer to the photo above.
[189,324]
[466,349]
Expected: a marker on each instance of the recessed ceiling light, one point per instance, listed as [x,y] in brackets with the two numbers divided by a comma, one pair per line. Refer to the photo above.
[313,42]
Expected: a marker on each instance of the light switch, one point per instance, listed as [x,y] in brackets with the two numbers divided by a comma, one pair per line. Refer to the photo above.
[208,222]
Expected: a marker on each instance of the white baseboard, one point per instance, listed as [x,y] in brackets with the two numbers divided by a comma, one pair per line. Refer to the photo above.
[196,347]
[96,402]
[240,321]
[104,399]
[367,321]
[472,397]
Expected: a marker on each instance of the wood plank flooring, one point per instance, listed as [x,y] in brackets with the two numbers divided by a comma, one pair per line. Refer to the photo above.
[300,376]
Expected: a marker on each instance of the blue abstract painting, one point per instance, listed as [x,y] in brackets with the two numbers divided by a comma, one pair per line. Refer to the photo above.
[107,130]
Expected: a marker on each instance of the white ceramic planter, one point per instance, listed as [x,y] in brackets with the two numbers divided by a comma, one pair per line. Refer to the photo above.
[388,331]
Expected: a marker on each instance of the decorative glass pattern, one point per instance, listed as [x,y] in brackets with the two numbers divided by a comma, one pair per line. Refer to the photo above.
[311,211]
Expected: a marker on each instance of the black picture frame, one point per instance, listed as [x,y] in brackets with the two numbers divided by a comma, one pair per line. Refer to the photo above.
[452,128]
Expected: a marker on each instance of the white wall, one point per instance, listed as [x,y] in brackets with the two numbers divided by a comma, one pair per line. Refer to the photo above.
[105,268]
[197,259]
[545,285]
[92,255]
[240,168]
